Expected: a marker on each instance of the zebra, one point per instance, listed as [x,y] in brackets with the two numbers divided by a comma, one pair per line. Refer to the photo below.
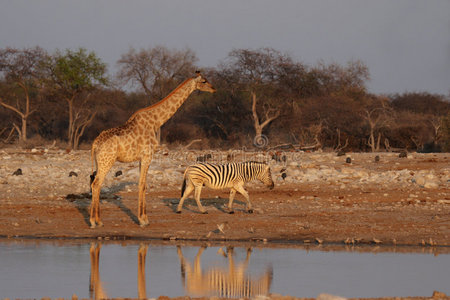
[230,175]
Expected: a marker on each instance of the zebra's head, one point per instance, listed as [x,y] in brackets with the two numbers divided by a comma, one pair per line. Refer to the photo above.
[266,177]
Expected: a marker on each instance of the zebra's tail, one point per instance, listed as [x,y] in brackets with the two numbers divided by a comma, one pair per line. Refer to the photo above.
[183,187]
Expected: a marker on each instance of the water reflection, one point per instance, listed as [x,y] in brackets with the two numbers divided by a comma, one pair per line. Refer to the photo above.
[60,269]
[233,282]
[96,289]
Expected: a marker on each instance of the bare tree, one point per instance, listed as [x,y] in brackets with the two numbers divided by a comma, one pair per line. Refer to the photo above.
[22,69]
[157,71]
[270,114]
[337,80]
[436,122]
[376,116]
[258,73]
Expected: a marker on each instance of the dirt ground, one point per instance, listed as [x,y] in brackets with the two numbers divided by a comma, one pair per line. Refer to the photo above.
[315,215]
[292,213]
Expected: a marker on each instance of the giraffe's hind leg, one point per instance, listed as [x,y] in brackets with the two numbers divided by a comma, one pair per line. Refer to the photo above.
[95,204]
[103,169]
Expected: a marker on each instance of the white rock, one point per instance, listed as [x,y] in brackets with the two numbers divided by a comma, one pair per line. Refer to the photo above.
[420,180]
[431,185]
[293,164]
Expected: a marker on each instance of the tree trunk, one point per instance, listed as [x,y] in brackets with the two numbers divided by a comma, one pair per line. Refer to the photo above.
[260,140]
[24,129]
[79,130]
[70,132]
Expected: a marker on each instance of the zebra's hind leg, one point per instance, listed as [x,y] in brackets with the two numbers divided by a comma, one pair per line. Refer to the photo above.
[186,193]
[244,193]
[230,202]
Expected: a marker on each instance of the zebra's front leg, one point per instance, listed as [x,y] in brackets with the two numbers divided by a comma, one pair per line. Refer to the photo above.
[198,191]
[230,202]
[244,193]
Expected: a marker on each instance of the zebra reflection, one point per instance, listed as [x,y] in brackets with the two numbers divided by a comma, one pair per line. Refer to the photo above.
[233,282]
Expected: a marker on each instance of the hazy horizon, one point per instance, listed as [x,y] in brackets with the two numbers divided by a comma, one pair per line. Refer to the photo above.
[405,43]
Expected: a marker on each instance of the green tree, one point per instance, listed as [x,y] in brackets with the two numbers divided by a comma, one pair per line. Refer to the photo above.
[73,75]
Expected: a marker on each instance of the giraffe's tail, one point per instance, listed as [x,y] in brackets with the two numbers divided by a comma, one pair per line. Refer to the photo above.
[93,162]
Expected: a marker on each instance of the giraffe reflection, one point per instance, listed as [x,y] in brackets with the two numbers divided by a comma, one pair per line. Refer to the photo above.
[96,290]
[233,283]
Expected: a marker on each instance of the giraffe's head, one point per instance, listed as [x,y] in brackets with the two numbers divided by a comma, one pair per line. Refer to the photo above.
[202,84]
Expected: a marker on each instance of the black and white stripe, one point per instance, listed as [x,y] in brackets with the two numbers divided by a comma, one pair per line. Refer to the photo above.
[231,175]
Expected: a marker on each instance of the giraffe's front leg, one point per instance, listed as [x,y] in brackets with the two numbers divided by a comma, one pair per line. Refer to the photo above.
[142,210]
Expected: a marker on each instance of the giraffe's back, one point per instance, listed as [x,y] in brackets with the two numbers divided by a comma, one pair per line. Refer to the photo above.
[124,143]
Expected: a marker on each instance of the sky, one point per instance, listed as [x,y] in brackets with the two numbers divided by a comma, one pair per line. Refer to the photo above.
[404,43]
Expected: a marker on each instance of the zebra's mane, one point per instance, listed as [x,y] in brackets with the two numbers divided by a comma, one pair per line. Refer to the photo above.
[244,162]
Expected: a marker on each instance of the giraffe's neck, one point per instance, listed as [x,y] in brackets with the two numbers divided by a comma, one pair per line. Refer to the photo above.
[166,108]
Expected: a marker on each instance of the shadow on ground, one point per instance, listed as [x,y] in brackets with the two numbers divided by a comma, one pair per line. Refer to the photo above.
[191,205]
[83,201]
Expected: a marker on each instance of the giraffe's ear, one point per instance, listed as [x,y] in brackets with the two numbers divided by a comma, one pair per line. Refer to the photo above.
[197,73]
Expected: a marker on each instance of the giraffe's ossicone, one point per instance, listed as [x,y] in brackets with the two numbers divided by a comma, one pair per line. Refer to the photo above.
[136,141]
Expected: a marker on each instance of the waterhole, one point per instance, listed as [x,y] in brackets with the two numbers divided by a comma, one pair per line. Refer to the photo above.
[147,270]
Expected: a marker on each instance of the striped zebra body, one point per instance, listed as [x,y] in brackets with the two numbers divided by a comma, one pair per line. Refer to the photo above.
[231,175]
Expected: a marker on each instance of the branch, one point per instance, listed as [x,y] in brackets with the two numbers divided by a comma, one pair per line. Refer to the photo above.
[79,130]
[191,143]
[12,108]
[9,135]
[255,115]
[19,132]
[270,119]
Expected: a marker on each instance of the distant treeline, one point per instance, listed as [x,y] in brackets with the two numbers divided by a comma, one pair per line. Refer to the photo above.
[264,99]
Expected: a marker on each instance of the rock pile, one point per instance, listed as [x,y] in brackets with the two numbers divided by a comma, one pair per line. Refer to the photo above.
[57,173]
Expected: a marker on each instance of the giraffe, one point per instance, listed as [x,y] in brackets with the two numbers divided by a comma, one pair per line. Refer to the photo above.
[136,141]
